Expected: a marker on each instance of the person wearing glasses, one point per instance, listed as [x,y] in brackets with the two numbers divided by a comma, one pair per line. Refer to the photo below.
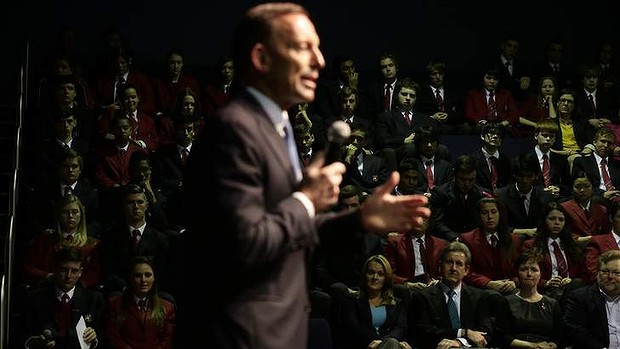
[587,323]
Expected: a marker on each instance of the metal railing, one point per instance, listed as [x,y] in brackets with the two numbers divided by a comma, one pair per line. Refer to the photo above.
[9,246]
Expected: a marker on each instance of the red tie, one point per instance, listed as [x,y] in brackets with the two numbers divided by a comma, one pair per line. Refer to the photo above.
[136,237]
[430,180]
[440,105]
[494,176]
[407,116]
[559,257]
[492,107]
[120,84]
[546,170]
[386,97]
[606,179]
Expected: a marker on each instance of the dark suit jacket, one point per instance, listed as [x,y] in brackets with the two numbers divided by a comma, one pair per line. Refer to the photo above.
[117,250]
[392,128]
[598,245]
[559,170]
[442,171]
[486,264]
[585,318]
[134,332]
[41,313]
[589,165]
[263,232]
[374,173]
[429,321]
[483,173]
[358,326]
[426,103]
[452,214]
[47,155]
[399,251]
[515,209]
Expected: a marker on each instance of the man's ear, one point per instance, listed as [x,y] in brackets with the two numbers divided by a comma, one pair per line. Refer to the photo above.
[260,57]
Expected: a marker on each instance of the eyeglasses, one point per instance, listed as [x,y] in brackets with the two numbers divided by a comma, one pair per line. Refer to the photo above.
[605,272]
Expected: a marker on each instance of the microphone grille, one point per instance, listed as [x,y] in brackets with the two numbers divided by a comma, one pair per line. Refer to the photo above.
[338,132]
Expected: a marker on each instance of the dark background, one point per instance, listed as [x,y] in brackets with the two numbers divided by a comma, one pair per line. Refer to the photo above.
[463,33]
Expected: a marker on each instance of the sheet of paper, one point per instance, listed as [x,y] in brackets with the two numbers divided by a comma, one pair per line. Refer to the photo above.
[80,328]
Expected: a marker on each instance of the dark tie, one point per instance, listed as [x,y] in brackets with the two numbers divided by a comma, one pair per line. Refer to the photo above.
[453,311]
[525,205]
[508,64]
[226,90]
[492,107]
[67,190]
[423,255]
[69,239]
[120,84]
[136,237]
[493,161]
[289,138]
[559,257]
[546,170]
[592,104]
[606,180]
[142,304]
[184,155]
[65,298]
[494,240]
[386,97]
[439,99]
[430,180]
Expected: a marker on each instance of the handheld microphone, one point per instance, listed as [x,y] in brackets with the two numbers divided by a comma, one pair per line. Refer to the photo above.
[47,334]
[337,135]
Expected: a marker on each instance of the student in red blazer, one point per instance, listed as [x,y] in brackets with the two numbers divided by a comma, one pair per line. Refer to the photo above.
[404,250]
[553,281]
[494,249]
[140,317]
[600,244]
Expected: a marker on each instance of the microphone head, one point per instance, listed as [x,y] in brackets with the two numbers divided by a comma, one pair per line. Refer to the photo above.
[47,333]
[338,132]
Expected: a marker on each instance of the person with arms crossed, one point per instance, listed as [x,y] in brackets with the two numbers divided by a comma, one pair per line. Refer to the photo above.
[268,213]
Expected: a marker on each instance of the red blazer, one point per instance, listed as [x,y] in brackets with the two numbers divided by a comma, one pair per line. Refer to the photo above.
[400,253]
[598,245]
[166,92]
[484,267]
[576,269]
[581,225]
[104,89]
[214,98]
[145,129]
[134,332]
[39,259]
[111,167]
[476,106]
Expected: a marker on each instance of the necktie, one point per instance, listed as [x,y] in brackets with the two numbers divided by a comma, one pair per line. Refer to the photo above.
[67,190]
[493,161]
[430,180]
[423,254]
[556,68]
[525,204]
[605,175]
[386,97]
[546,170]
[65,298]
[492,107]
[136,237]
[142,304]
[120,84]
[439,100]
[509,67]
[226,90]
[494,240]
[289,138]
[407,116]
[559,257]
[184,155]
[69,238]
[453,311]
[592,104]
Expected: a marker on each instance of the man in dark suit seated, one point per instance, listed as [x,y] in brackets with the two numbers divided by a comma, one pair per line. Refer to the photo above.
[54,310]
[450,314]
[586,319]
